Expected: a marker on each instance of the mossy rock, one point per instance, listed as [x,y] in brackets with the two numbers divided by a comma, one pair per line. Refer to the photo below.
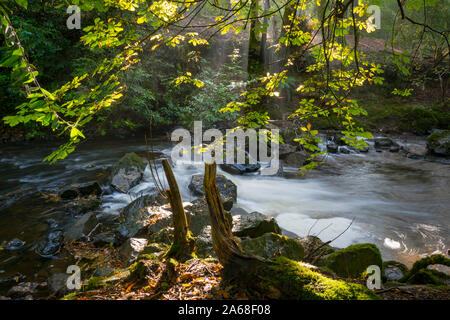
[271,244]
[352,261]
[423,264]
[128,161]
[425,276]
[288,279]
[439,143]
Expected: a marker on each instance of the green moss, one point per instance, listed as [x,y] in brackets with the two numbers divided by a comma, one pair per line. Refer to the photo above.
[130,160]
[94,283]
[439,142]
[295,281]
[70,296]
[183,252]
[425,276]
[423,264]
[352,261]
[272,244]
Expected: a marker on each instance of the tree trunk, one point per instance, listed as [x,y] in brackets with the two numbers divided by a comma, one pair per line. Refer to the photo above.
[183,245]
[236,263]
[263,54]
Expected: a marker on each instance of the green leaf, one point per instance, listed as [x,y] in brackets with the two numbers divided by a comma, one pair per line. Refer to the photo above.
[22,3]
[75,133]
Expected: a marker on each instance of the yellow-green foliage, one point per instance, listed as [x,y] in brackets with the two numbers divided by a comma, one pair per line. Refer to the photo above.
[296,281]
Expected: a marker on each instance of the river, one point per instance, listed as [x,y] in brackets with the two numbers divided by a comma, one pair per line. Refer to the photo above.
[400,204]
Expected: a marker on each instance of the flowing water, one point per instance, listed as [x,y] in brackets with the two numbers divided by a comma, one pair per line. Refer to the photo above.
[400,204]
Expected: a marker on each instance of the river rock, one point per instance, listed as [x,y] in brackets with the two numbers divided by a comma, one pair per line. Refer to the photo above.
[82,205]
[254,225]
[83,190]
[385,143]
[106,238]
[227,189]
[15,244]
[344,149]
[51,245]
[131,249]
[295,159]
[58,283]
[135,217]
[315,247]
[128,172]
[286,149]
[271,244]
[352,261]
[393,273]
[438,143]
[198,217]
[81,228]
[332,147]
[22,290]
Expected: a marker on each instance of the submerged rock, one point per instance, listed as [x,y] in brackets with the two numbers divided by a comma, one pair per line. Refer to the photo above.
[51,245]
[128,172]
[83,190]
[254,225]
[15,244]
[352,261]
[271,244]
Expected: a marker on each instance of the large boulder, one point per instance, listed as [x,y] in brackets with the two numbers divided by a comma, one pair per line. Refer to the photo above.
[295,159]
[128,172]
[352,261]
[438,143]
[81,228]
[136,217]
[271,244]
[227,189]
[254,225]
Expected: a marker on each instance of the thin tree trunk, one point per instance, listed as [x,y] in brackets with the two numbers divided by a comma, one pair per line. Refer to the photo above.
[183,244]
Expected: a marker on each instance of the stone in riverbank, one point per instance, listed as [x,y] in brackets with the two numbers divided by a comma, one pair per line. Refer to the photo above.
[271,244]
[135,217]
[227,189]
[82,228]
[128,172]
[253,225]
[352,261]
[295,159]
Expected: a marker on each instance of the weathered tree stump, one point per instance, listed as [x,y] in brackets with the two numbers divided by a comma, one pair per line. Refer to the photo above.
[183,246]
